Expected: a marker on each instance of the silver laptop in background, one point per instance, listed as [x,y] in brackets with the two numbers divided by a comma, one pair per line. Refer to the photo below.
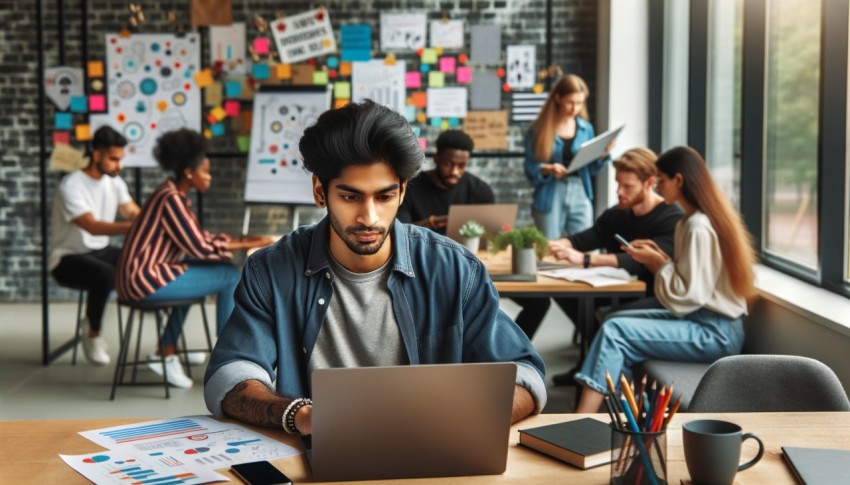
[494,217]
[373,423]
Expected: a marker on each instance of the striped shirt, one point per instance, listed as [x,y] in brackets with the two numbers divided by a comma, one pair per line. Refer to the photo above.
[164,233]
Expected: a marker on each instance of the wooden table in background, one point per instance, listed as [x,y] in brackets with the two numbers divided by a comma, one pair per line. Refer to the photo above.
[29,450]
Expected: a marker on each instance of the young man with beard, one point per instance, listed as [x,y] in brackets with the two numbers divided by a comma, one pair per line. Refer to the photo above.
[431,193]
[359,288]
[83,218]
[640,213]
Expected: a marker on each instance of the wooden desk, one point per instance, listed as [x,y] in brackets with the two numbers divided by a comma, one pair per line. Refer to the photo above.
[29,450]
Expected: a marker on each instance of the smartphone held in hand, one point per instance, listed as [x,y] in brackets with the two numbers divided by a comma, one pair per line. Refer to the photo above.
[620,239]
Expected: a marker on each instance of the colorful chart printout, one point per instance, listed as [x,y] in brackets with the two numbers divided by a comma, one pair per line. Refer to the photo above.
[380,82]
[227,45]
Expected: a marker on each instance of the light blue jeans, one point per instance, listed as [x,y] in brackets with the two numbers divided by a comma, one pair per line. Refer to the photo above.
[572,210]
[632,336]
[200,279]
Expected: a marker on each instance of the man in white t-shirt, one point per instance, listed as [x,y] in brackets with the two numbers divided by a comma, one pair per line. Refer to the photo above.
[83,218]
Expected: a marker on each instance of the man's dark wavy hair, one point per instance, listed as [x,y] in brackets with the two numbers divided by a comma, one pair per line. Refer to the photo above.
[360,134]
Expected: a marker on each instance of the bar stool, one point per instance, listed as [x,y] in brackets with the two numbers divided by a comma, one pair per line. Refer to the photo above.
[160,309]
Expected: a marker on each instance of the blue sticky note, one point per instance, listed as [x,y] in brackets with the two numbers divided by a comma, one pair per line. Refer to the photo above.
[356,42]
[454,121]
[260,72]
[436,122]
[416,130]
[232,89]
[424,68]
[63,121]
[217,129]
[356,55]
[79,104]
[410,113]
[333,62]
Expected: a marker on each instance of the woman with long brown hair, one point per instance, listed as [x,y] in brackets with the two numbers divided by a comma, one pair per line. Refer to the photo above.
[562,202]
[704,287]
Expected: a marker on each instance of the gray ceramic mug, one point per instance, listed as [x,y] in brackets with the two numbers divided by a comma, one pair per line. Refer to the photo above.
[713,451]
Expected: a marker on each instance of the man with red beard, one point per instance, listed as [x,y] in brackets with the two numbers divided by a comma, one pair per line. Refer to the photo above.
[358,289]
[640,213]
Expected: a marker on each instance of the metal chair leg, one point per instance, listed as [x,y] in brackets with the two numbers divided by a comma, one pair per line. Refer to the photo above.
[79,331]
[162,353]
[124,348]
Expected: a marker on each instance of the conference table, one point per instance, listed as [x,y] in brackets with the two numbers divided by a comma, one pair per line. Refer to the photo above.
[29,450]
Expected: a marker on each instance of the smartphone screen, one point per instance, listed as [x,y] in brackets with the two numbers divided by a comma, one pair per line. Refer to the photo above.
[622,241]
[260,473]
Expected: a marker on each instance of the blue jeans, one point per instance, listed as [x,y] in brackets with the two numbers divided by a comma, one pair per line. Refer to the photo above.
[572,210]
[632,336]
[200,279]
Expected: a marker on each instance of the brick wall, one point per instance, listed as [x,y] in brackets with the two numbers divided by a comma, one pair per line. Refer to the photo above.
[574,23]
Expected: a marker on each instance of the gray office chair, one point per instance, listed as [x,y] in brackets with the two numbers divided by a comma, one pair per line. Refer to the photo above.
[768,383]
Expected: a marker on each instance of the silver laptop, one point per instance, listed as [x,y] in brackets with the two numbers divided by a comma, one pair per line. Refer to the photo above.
[494,217]
[372,423]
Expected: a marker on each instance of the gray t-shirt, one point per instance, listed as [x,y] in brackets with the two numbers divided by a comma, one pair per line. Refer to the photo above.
[360,328]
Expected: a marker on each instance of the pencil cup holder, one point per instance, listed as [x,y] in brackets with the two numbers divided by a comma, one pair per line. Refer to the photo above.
[638,458]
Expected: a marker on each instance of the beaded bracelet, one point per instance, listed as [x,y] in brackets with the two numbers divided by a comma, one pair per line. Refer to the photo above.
[288,419]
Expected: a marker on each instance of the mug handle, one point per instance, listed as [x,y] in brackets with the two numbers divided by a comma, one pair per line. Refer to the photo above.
[758,455]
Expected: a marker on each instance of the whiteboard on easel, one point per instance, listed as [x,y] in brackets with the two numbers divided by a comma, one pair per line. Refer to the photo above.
[281,113]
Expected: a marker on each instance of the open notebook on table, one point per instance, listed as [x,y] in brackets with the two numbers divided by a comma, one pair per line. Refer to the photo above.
[598,276]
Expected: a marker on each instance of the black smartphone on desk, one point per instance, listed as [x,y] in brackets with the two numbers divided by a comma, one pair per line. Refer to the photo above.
[260,473]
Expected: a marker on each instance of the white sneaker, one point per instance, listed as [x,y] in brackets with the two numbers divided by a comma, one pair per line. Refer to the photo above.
[94,348]
[194,358]
[176,376]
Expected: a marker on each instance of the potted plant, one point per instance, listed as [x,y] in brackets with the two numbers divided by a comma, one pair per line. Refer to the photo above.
[528,245]
[471,232]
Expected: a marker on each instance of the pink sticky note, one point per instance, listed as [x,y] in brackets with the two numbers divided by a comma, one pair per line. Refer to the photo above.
[261,45]
[464,74]
[413,80]
[447,65]
[61,137]
[232,108]
[423,143]
[97,102]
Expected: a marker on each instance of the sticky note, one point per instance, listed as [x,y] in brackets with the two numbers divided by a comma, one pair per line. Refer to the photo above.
[429,56]
[204,78]
[61,137]
[436,122]
[332,62]
[420,99]
[413,80]
[243,143]
[260,72]
[94,68]
[344,68]
[82,132]
[342,90]
[97,102]
[232,108]
[261,45]
[233,89]
[423,143]
[63,121]
[217,129]
[436,79]
[410,113]
[341,102]
[79,104]
[420,117]
[283,71]
[424,68]
[464,74]
[454,121]
[218,113]
[447,65]
[320,78]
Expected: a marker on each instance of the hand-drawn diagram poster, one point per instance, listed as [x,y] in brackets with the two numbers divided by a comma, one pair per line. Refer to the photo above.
[403,31]
[281,113]
[151,89]
[521,66]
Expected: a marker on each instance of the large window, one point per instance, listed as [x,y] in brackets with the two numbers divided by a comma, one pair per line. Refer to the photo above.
[791,130]
[723,142]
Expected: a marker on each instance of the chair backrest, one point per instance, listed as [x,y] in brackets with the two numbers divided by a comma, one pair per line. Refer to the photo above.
[768,383]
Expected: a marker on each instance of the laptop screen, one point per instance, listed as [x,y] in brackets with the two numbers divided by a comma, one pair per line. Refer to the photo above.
[373,423]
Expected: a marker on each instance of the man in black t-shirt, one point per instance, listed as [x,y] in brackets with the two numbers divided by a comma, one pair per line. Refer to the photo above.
[430,194]
[640,213]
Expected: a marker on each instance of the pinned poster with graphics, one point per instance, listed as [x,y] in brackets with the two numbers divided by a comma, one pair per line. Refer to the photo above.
[447,102]
[447,34]
[63,83]
[151,90]
[227,46]
[381,82]
[403,31]
[281,113]
[303,36]
[488,129]
[521,66]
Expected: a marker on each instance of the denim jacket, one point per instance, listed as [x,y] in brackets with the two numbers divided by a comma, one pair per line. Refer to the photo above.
[544,185]
[446,307]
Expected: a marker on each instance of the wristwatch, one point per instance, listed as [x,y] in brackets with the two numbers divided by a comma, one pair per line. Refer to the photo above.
[587,260]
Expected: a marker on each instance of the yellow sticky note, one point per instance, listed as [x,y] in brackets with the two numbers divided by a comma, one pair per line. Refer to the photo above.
[204,78]
[320,78]
[341,102]
[420,117]
[94,68]
[429,56]
[436,79]
[82,132]
[207,133]
[342,90]
[218,113]
[345,68]
[283,71]
[538,88]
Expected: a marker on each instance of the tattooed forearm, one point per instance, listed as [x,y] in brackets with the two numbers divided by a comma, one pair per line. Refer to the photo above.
[252,402]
